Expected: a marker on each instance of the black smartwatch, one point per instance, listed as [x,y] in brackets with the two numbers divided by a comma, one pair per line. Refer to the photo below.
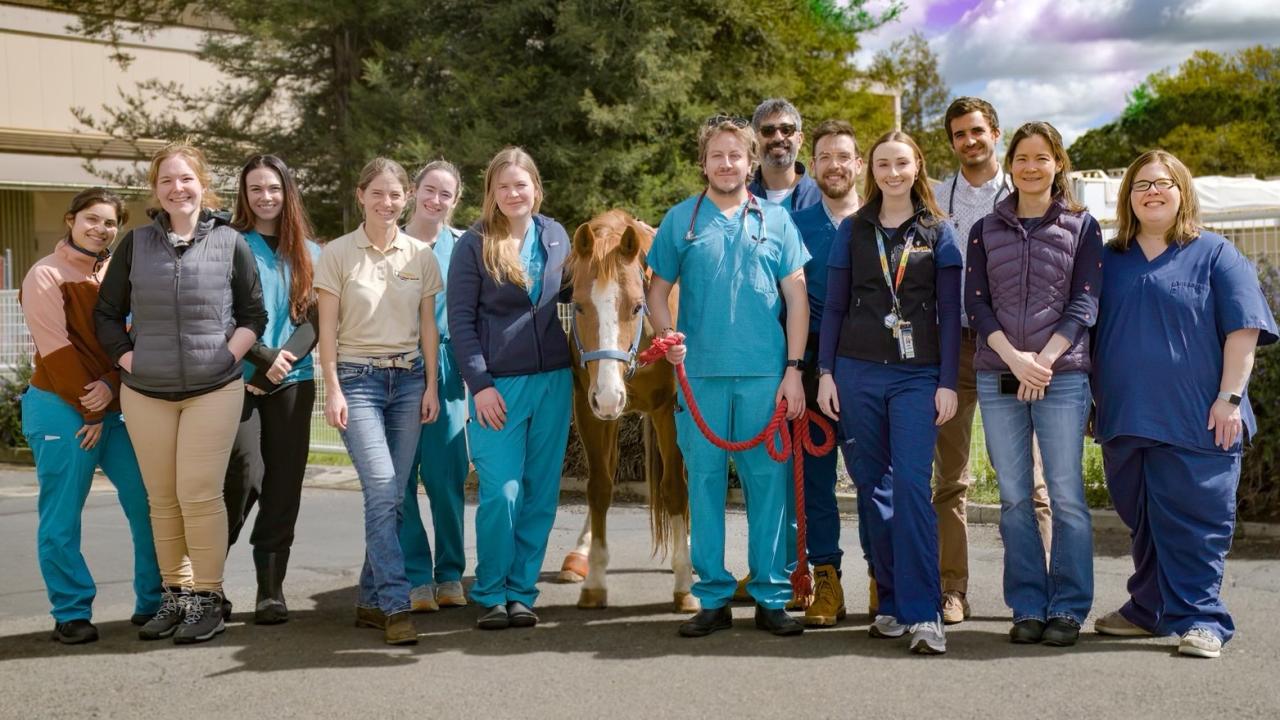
[1230,397]
[797,364]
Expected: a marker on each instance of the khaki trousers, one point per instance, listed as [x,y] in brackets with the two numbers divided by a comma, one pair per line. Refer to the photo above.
[951,478]
[183,447]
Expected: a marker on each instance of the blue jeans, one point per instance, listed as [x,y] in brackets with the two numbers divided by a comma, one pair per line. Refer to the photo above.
[1065,588]
[384,419]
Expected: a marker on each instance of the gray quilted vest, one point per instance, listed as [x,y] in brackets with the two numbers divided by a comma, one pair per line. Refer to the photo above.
[181,307]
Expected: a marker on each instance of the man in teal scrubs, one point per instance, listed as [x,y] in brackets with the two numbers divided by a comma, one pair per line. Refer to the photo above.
[737,259]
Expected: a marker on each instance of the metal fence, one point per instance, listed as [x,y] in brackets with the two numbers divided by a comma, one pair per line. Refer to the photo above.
[15,341]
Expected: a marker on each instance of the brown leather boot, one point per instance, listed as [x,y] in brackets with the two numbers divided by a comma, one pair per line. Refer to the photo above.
[827,607]
[367,617]
[400,629]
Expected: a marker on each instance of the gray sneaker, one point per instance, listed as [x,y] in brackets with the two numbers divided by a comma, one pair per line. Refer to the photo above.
[450,594]
[203,619]
[928,638]
[886,627]
[173,604]
[422,599]
[1200,642]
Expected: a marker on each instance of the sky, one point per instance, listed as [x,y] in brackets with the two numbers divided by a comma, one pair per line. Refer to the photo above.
[1070,62]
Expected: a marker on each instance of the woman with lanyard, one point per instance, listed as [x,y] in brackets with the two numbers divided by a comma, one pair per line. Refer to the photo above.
[377,289]
[888,353]
[71,419]
[1183,305]
[269,456]
[1031,292]
[442,448]
[191,285]
[505,280]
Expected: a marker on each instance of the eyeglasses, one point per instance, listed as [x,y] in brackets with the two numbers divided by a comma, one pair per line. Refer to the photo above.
[1141,186]
[720,119]
[787,130]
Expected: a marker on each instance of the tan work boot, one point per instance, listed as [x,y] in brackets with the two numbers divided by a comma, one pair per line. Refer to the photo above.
[367,617]
[955,609]
[827,607]
[400,629]
[873,598]
[740,594]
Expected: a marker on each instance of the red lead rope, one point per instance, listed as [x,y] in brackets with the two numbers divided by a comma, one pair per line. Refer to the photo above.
[778,441]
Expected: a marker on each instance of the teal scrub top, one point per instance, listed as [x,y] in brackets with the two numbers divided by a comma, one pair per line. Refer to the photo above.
[275,278]
[534,258]
[729,274]
[443,249]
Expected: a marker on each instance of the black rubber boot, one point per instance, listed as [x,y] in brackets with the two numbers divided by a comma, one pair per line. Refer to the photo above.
[271,567]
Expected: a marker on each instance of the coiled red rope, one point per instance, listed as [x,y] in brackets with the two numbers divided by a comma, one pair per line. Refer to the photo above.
[781,442]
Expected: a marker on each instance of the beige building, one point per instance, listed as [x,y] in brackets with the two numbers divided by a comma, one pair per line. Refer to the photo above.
[45,72]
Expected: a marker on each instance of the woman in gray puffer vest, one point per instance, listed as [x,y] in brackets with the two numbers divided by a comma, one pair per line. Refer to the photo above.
[1031,292]
[191,285]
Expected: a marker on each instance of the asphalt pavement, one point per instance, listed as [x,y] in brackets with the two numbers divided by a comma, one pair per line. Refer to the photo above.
[622,662]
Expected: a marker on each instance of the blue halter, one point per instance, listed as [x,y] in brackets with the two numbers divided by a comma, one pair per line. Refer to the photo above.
[628,357]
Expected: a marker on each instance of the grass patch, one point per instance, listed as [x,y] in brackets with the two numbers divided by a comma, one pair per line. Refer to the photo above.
[323,457]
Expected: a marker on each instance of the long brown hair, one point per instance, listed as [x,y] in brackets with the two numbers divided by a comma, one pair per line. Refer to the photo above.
[1186,224]
[293,229]
[1061,181]
[921,191]
[501,254]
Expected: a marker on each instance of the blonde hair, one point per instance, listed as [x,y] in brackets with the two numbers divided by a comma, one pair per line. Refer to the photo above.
[209,199]
[1061,181]
[501,250]
[447,168]
[734,126]
[1186,224]
[921,189]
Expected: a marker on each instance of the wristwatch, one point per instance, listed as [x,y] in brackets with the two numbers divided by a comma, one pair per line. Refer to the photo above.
[1230,397]
[797,364]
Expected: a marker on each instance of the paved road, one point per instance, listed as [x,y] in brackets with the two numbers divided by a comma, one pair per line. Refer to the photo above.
[622,662]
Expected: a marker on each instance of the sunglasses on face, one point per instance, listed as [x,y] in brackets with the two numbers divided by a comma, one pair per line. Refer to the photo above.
[787,130]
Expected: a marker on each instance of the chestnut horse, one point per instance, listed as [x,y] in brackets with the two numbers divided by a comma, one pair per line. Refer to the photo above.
[610,326]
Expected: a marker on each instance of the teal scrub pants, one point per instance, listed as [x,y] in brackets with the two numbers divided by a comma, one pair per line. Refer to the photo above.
[65,473]
[441,465]
[736,408]
[519,470]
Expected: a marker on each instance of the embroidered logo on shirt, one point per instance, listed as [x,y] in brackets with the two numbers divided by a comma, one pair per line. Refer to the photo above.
[407,276]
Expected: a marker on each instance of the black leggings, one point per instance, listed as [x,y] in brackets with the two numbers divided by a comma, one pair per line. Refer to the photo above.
[268,460]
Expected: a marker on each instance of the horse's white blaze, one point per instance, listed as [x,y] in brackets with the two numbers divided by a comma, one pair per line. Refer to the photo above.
[681,567]
[610,389]
[598,562]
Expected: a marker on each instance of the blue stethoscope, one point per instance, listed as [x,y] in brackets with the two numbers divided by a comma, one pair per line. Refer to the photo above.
[753,206]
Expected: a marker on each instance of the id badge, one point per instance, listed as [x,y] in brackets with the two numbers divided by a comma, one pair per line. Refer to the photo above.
[906,342]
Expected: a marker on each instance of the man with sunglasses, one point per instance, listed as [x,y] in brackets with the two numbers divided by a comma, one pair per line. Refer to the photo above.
[781,178]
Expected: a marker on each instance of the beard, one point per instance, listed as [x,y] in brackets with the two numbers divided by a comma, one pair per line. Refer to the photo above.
[836,188]
[784,160]
[726,186]
[982,158]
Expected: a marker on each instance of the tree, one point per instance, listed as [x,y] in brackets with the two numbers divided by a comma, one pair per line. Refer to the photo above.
[911,65]
[1220,114]
[606,94]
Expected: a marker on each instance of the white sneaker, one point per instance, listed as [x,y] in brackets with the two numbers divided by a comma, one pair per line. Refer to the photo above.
[423,599]
[928,638]
[1200,642]
[886,626]
[450,594]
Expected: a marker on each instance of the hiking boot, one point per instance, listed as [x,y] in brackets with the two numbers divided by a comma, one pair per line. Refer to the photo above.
[827,607]
[1200,642]
[955,608]
[777,621]
[740,594]
[370,617]
[873,597]
[450,594]
[494,618]
[75,632]
[1026,632]
[520,615]
[400,629]
[928,638]
[203,619]
[704,622]
[886,627]
[422,599]
[1061,632]
[270,608]
[173,605]
[1117,625]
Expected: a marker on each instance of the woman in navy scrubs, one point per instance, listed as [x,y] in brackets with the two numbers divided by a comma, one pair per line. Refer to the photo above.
[1180,306]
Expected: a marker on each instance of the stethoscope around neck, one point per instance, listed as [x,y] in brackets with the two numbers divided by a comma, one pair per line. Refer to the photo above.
[1003,192]
[753,206]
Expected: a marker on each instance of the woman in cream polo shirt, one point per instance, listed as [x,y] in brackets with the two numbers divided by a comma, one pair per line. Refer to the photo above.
[377,289]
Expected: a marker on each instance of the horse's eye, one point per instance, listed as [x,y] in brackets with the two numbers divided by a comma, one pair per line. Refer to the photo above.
[577,307]
[639,308]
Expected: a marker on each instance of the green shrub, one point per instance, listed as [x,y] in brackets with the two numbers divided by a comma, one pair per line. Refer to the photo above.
[13,383]
[1259,493]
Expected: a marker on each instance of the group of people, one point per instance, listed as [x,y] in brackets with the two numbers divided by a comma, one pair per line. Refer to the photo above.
[895,312]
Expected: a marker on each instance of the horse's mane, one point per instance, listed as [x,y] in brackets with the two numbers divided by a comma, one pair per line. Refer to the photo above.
[607,229]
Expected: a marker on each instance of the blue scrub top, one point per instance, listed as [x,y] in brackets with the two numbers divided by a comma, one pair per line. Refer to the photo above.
[534,258]
[275,278]
[729,274]
[443,249]
[818,233]
[1161,327]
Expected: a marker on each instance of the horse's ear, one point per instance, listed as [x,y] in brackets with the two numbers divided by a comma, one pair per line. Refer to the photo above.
[629,245]
[583,240]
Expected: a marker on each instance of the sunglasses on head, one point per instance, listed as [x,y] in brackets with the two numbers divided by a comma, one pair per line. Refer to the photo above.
[720,119]
[787,130]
